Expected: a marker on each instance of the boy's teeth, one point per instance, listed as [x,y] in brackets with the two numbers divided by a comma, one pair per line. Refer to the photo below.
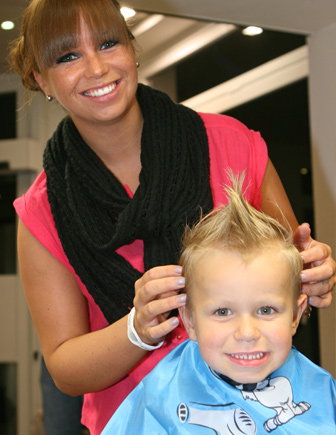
[248,356]
[102,91]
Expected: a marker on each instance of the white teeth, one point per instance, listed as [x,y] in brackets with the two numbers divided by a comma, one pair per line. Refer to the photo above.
[249,356]
[101,92]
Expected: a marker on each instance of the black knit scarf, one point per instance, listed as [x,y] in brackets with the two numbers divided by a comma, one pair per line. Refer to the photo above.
[94,215]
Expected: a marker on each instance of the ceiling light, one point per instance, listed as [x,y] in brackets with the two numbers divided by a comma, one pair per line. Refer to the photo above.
[7,25]
[252,31]
[127,12]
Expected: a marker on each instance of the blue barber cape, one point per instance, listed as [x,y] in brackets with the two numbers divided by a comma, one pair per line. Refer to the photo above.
[182,395]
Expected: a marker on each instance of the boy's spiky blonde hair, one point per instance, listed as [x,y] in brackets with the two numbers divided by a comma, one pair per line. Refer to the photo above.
[238,227]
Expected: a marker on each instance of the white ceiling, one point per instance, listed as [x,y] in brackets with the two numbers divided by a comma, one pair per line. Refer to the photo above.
[297,16]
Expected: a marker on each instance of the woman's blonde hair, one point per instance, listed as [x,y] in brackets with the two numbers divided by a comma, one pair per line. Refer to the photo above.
[50,28]
[240,228]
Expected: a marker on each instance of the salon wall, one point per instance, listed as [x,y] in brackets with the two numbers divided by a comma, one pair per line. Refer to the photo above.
[19,348]
[36,120]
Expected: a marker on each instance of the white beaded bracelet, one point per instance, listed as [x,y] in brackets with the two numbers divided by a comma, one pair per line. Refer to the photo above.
[133,335]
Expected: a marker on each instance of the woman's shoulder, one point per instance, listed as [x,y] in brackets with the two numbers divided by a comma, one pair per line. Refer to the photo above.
[233,145]
[34,211]
[34,200]
[225,131]
[225,122]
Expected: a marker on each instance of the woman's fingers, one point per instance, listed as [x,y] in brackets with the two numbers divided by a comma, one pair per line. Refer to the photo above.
[318,283]
[151,323]
[156,333]
[318,277]
[320,292]
[159,289]
[317,253]
[321,301]
[159,280]
[157,293]
[323,273]
[161,306]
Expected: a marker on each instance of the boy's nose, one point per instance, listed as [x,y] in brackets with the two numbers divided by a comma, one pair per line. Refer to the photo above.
[247,329]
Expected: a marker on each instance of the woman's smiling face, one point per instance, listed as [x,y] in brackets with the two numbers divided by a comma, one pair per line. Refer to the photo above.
[243,314]
[95,83]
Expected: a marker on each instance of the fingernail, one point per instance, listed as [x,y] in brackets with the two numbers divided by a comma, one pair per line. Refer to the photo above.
[174,321]
[182,298]
[178,270]
[180,281]
[303,277]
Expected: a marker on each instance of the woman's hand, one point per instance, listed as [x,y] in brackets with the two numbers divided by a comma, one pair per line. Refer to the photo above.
[318,277]
[157,293]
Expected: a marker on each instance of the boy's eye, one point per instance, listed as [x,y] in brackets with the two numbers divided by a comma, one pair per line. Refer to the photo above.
[266,311]
[66,58]
[108,44]
[223,312]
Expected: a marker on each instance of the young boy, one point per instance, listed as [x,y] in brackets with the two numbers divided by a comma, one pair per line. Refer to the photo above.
[238,373]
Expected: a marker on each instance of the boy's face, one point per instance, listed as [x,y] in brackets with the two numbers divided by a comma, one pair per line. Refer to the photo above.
[243,314]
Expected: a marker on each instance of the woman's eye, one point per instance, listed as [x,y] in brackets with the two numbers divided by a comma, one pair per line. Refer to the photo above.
[223,312]
[66,58]
[266,311]
[108,44]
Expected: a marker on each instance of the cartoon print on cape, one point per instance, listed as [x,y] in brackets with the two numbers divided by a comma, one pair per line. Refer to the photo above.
[275,393]
[183,395]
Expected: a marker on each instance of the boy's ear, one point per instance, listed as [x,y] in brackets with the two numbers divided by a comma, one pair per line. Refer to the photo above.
[188,322]
[301,306]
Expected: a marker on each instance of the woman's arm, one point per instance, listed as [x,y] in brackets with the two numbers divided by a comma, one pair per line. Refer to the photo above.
[274,200]
[79,361]
[318,278]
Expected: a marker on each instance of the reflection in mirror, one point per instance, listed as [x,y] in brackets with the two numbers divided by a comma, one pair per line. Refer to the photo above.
[202,54]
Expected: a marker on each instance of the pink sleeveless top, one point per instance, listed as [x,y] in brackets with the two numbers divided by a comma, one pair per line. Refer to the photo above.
[231,145]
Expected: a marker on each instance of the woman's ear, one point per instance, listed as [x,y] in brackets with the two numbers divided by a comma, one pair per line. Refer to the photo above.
[41,82]
[301,306]
[188,322]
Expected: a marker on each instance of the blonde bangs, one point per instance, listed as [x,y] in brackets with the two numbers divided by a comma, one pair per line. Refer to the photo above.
[56,27]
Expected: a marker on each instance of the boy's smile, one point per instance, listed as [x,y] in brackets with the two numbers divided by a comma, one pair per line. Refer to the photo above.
[249,359]
[242,313]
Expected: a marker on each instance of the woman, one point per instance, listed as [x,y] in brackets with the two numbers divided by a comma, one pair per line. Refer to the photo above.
[122,175]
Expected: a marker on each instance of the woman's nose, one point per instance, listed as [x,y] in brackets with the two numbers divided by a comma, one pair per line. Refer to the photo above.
[95,66]
[247,329]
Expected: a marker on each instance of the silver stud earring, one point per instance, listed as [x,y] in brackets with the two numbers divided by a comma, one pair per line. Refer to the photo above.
[137,64]
[49,98]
